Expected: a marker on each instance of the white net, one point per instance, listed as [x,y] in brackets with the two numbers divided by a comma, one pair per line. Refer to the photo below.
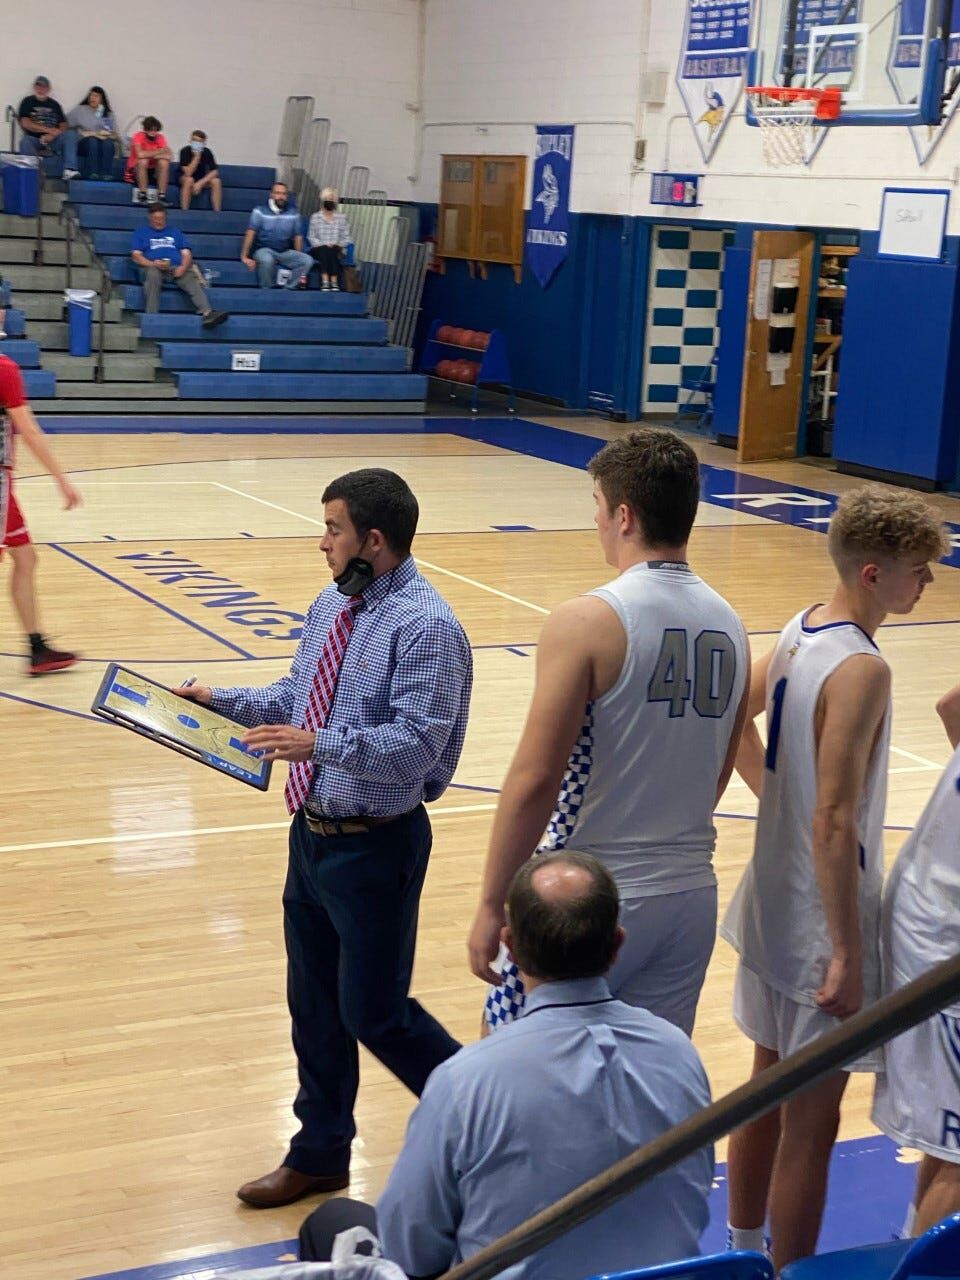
[787,130]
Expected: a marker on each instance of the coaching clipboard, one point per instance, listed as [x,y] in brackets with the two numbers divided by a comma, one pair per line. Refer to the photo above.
[136,703]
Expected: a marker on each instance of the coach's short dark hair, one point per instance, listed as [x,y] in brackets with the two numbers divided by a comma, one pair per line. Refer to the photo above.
[566,938]
[656,474]
[378,499]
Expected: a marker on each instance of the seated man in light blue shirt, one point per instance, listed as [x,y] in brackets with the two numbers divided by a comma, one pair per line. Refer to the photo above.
[511,1124]
[275,229]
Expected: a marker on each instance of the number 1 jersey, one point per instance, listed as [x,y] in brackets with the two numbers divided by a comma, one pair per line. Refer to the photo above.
[776,919]
[641,782]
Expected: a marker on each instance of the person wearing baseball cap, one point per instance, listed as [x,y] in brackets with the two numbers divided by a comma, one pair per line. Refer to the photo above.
[46,132]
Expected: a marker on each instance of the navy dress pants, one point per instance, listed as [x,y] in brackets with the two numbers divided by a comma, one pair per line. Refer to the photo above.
[350,908]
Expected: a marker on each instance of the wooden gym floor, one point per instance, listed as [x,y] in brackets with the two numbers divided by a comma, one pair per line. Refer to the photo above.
[145,1066]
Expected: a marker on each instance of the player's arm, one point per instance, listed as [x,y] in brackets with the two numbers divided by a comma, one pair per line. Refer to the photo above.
[30,432]
[750,751]
[948,709]
[852,705]
[739,724]
[563,687]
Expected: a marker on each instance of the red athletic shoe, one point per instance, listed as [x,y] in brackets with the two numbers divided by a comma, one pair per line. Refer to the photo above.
[45,660]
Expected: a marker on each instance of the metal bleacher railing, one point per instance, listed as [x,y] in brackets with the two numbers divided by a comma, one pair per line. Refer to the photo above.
[849,1040]
[11,117]
[74,233]
[392,263]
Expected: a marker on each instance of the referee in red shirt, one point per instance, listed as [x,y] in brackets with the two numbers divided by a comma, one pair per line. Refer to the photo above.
[16,419]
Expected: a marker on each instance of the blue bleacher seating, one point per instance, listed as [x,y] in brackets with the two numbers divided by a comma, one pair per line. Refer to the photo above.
[16,323]
[25,354]
[302,386]
[39,384]
[276,358]
[734,1265]
[286,302]
[935,1254]
[127,217]
[314,346]
[265,328]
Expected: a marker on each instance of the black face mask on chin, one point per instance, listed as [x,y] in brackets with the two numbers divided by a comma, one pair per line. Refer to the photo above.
[356,576]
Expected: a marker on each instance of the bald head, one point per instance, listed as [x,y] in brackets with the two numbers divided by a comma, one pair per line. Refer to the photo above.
[562,910]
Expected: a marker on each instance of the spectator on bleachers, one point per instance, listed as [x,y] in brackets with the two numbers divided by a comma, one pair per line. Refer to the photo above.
[274,234]
[45,131]
[96,131]
[512,1123]
[162,254]
[149,159]
[198,172]
[327,237]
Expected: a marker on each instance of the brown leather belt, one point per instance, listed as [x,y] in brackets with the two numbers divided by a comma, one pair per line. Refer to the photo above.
[321,826]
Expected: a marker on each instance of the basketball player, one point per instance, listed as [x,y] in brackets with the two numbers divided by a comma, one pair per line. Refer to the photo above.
[805,916]
[630,740]
[917,1099]
[16,419]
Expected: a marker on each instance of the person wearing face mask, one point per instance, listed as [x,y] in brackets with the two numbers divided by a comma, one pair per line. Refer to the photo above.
[96,131]
[327,236]
[198,172]
[372,716]
[274,239]
[149,159]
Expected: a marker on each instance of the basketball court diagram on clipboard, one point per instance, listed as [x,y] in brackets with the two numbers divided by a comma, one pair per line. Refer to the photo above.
[821,64]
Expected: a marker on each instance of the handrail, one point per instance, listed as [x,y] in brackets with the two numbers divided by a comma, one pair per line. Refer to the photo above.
[10,116]
[68,217]
[849,1040]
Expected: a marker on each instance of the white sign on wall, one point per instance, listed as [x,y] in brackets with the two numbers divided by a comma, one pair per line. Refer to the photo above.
[245,361]
[912,223]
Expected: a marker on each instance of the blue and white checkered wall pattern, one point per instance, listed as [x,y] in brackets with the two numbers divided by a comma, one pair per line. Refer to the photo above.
[683,311]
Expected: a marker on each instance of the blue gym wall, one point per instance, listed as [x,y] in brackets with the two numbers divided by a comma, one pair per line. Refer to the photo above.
[579,342]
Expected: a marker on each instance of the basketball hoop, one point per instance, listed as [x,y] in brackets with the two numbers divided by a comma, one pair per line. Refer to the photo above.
[787,119]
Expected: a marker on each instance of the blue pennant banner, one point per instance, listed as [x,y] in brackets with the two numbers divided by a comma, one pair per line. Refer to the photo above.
[713,63]
[904,68]
[548,223]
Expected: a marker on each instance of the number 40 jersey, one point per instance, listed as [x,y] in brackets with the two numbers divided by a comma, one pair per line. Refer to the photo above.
[641,783]
[776,919]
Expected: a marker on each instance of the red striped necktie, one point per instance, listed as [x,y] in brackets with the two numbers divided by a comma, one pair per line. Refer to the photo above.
[321,699]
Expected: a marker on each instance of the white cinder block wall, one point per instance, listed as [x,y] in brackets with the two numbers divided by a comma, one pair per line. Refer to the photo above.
[491,71]
[580,61]
[227,66]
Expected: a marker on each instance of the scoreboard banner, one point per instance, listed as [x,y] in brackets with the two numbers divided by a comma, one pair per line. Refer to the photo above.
[713,65]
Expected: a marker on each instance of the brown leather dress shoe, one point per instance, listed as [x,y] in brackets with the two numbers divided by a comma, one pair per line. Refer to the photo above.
[285,1185]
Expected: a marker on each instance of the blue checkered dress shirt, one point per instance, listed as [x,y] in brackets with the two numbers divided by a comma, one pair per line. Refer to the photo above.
[399,715]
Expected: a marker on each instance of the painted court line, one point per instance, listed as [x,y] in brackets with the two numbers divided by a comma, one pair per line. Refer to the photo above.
[142,837]
[909,755]
[472,582]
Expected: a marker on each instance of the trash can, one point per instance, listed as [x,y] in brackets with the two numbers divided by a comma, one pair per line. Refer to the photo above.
[80,318]
[21,184]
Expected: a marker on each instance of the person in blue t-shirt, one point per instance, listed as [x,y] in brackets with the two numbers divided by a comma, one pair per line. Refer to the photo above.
[276,229]
[162,253]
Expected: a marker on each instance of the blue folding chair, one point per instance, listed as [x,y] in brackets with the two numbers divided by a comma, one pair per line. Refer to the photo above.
[935,1254]
[699,382]
[735,1265]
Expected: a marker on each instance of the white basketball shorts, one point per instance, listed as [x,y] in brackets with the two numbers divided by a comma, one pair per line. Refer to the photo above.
[917,1098]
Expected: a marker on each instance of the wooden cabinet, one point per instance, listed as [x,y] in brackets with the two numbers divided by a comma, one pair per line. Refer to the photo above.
[481,209]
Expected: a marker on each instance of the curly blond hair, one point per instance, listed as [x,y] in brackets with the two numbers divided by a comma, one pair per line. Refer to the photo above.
[889,523]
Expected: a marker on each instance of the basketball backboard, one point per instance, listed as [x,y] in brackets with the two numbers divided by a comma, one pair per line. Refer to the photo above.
[896,62]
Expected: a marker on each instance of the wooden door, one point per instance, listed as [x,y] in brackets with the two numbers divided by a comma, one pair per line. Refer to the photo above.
[771,402]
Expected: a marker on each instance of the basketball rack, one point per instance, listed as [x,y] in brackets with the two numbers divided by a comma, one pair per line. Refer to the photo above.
[788,119]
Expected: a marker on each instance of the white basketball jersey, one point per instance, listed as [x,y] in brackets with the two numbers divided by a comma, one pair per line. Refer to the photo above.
[921,899]
[775,919]
[641,783]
